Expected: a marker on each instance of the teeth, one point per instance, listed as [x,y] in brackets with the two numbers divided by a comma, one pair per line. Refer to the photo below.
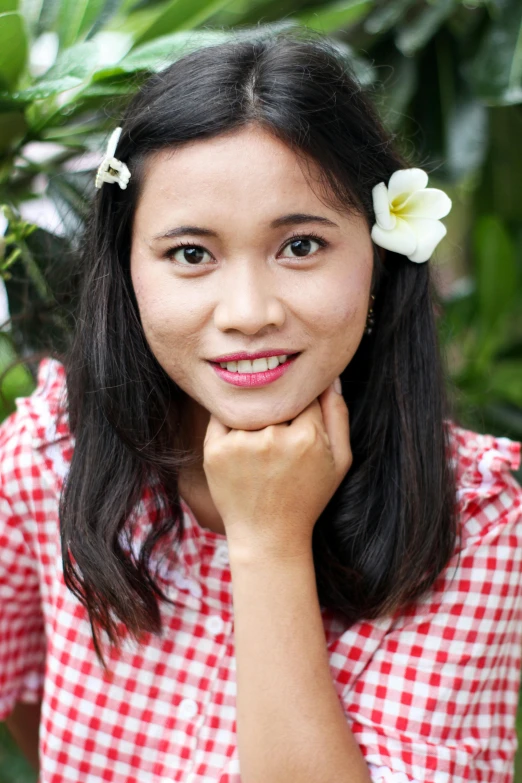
[258,365]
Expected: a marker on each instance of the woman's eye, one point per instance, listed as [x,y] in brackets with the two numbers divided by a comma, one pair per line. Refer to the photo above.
[304,246]
[187,255]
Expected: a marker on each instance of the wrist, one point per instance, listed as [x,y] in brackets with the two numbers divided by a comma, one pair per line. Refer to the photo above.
[250,551]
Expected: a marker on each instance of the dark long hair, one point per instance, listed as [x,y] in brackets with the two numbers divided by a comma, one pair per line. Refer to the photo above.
[390,527]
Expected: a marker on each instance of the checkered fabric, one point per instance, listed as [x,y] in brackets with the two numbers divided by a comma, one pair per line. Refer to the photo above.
[431,694]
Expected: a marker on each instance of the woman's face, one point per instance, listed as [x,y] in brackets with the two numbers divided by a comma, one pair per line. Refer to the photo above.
[252,276]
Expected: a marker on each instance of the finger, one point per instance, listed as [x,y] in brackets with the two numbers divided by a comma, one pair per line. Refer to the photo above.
[215,429]
[337,425]
[312,410]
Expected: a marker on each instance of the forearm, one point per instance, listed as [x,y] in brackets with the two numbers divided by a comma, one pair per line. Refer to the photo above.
[290,724]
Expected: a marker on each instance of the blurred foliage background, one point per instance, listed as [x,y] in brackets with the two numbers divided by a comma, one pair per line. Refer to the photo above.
[446,76]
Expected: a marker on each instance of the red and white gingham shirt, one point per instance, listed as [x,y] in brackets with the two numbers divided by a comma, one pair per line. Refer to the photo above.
[431,695]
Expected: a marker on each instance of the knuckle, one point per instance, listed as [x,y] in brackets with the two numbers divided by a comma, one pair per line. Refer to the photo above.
[267,435]
[305,437]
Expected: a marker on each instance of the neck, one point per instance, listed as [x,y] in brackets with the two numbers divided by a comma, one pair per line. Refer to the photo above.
[194,425]
[192,481]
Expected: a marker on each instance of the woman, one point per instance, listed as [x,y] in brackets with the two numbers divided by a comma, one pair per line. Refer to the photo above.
[216,567]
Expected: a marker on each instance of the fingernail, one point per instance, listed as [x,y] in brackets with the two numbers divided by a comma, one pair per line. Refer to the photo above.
[337,385]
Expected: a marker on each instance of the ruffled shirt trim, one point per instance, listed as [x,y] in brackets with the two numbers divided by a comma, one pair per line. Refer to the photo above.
[386,775]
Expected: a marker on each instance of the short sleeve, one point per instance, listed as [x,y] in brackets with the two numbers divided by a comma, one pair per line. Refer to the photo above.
[434,697]
[22,637]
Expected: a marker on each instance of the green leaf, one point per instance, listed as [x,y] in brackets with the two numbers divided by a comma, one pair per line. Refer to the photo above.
[43,13]
[74,67]
[496,70]
[108,90]
[76,18]
[127,5]
[10,101]
[413,36]
[157,54]
[69,134]
[34,13]
[17,382]
[78,61]
[12,129]
[496,272]
[386,16]
[179,15]
[110,8]
[47,88]
[13,48]
[8,5]
[336,16]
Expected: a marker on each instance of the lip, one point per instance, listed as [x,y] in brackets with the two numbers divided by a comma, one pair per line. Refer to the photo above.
[236,357]
[253,379]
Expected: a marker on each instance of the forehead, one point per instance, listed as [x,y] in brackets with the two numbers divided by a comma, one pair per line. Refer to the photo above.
[249,169]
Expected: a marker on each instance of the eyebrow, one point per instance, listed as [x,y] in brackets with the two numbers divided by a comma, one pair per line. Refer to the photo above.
[285,220]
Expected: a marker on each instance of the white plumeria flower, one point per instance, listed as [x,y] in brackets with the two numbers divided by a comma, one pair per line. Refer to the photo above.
[111,169]
[407,215]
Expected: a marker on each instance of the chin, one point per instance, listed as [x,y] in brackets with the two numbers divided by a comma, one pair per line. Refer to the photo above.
[258,420]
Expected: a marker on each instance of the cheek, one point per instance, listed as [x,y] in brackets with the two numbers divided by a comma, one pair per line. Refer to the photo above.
[166,321]
[338,309]
[337,317]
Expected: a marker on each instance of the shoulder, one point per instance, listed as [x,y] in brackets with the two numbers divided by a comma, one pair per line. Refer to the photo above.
[39,422]
[432,691]
[488,493]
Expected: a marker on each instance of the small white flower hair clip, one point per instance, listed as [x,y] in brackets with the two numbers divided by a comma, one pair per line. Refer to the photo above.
[408,215]
[111,169]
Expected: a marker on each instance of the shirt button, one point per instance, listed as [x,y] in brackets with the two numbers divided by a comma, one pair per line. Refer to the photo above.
[222,555]
[188,708]
[214,625]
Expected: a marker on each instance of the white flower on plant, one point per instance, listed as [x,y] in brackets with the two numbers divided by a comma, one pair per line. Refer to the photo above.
[111,169]
[408,215]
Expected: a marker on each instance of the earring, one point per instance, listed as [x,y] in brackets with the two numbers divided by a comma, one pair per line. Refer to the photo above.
[370,318]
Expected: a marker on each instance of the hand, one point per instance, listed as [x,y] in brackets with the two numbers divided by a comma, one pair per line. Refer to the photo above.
[270,485]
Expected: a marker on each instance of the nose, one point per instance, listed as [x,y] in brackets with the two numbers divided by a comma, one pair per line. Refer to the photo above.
[248,300]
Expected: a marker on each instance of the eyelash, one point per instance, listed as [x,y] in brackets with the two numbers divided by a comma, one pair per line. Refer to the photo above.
[172,250]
